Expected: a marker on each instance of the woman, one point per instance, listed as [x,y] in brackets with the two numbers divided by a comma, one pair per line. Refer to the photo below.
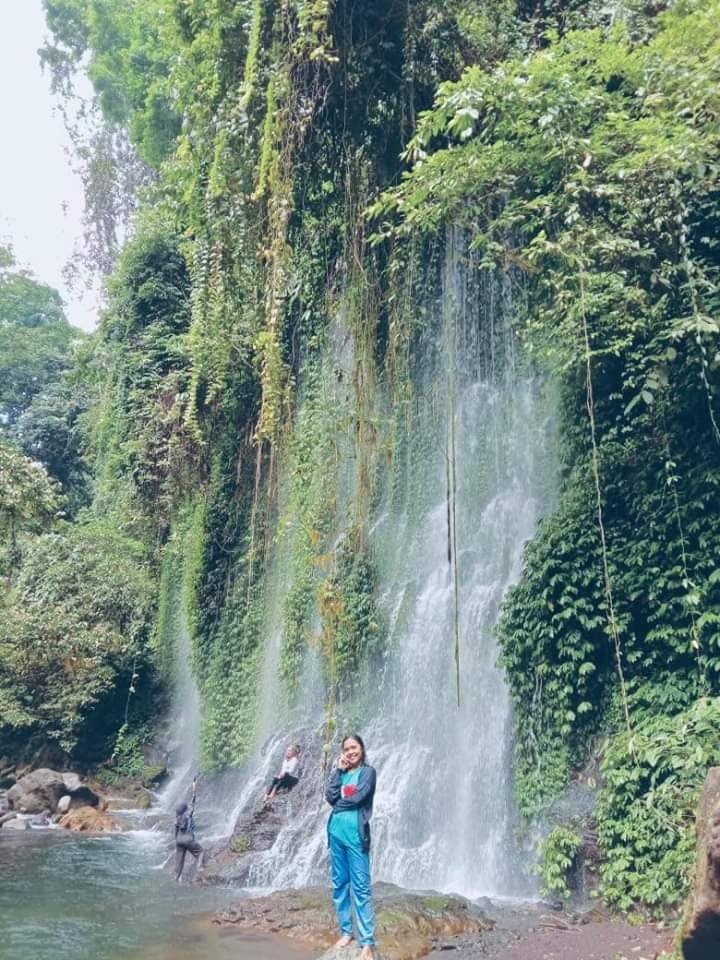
[350,793]
[288,776]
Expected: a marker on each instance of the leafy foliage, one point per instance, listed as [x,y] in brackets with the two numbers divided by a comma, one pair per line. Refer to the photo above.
[28,498]
[35,339]
[52,431]
[646,813]
[141,362]
[557,855]
[130,48]
[75,623]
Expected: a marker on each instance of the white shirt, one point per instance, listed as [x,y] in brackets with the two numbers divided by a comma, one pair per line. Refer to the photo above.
[290,766]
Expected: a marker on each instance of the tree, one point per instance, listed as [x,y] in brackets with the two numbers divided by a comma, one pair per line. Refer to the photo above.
[28,497]
[73,639]
[132,46]
[51,431]
[35,338]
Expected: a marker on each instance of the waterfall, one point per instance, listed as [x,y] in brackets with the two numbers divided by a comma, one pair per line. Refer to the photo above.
[445,814]
[184,719]
[479,447]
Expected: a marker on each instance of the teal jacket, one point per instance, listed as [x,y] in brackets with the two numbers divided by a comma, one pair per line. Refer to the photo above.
[361,800]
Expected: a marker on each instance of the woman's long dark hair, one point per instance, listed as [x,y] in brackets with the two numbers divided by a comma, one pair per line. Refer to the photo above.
[359,739]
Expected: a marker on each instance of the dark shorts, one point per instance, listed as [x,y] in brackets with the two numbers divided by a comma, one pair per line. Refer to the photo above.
[285,782]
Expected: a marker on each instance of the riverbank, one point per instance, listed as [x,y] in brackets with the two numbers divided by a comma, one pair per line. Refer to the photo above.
[414,925]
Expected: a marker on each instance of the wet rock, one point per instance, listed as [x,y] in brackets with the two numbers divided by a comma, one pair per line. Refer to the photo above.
[88,820]
[154,776]
[37,791]
[6,817]
[258,825]
[40,819]
[407,923]
[143,800]
[701,929]
[16,824]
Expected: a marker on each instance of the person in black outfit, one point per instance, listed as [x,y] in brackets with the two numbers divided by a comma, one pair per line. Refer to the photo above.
[184,838]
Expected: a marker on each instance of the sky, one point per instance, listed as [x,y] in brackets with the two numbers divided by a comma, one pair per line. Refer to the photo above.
[41,199]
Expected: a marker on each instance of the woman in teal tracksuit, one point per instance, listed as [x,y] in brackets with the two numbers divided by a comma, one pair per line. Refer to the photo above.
[350,793]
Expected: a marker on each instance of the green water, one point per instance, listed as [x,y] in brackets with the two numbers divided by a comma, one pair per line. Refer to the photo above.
[71,897]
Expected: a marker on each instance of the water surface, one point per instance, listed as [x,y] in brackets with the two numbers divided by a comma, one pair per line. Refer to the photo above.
[71,897]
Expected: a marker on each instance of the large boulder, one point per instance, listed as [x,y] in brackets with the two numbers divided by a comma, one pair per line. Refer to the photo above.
[701,928]
[81,795]
[37,791]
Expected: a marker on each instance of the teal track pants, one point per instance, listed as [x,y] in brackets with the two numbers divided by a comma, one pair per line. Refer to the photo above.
[351,874]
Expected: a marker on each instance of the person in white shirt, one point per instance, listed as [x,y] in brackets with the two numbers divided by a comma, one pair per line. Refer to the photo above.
[289,773]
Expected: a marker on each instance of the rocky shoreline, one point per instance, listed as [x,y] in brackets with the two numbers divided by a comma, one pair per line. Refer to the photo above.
[408,924]
[412,925]
[44,798]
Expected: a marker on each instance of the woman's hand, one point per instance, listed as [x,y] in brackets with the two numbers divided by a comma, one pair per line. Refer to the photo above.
[341,763]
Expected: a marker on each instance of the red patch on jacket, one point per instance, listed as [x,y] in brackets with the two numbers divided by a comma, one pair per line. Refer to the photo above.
[348,790]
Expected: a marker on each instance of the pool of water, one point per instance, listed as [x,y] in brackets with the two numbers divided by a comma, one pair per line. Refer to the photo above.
[73,897]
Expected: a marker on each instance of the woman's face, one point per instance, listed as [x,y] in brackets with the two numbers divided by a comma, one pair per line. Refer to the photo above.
[352,752]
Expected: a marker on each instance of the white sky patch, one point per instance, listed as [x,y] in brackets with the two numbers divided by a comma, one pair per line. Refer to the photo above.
[41,199]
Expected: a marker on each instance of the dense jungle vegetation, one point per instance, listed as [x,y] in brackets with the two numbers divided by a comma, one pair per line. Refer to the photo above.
[303,160]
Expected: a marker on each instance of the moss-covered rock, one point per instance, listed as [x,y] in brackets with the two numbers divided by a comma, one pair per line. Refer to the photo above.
[407,923]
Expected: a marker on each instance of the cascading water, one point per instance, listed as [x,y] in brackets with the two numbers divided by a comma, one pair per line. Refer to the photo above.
[184,732]
[474,475]
[445,816]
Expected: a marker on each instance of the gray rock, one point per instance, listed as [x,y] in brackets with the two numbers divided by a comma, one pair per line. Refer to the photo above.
[7,817]
[63,804]
[37,791]
[40,819]
[16,824]
[72,781]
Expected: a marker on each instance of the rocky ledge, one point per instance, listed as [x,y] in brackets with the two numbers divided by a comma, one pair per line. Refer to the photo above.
[409,925]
